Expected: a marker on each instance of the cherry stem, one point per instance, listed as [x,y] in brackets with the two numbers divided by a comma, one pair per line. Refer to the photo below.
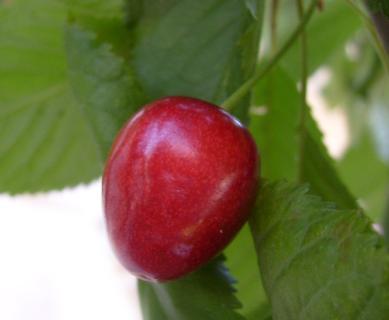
[245,88]
[380,49]
[303,93]
[273,23]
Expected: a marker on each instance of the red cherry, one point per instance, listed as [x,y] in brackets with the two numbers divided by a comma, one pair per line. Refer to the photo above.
[177,187]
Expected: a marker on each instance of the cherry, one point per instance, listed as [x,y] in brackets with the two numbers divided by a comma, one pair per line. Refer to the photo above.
[177,187]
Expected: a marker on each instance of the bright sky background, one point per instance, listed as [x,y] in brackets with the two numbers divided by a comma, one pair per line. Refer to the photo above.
[56,263]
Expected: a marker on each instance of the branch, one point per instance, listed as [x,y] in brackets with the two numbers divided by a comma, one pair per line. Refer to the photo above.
[260,73]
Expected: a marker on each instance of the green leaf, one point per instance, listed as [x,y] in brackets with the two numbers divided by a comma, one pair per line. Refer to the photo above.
[96,8]
[103,82]
[318,262]
[242,263]
[326,33]
[318,169]
[202,54]
[275,121]
[45,141]
[379,6]
[253,7]
[205,294]
[133,11]
[369,185]
[110,21]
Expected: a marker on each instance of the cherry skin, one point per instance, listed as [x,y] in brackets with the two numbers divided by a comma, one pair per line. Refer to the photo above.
[178,185]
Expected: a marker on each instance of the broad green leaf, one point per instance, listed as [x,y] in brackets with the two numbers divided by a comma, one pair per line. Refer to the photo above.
[242,263]
[103,83]
[151,305]
[133,11]
[96,8]
[111,21]
[45,140]
[366,176]
[328,32]
[205,294]
[275,126]
[319,171]
[196,48]
[318,262]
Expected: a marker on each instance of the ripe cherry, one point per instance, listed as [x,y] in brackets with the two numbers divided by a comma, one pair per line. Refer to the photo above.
[177,187]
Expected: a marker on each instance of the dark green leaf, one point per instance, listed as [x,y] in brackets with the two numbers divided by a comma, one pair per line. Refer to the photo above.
[275,126]
[379,6]
[103,82]
[206,294]
[133,11]
[110,22]
[204,49]
[318,262]
[45,141]
[274,119]
[318,169]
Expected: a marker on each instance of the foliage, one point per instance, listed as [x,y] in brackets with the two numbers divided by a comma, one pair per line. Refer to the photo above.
[211,296]
[73,71]
[45,140]
[381,6]
[336,252]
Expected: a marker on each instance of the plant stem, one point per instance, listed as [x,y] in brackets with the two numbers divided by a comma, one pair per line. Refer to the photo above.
[386,225]
[374,35]
[245,88]
[381,23]
[274,10]
[303,93]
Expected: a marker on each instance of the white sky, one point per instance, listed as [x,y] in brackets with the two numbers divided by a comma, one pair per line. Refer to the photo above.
[56,263]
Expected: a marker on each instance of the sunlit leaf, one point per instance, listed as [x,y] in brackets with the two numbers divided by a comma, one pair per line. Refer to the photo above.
[45,140]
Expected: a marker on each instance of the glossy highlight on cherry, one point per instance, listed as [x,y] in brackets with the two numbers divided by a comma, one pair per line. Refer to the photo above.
[177,187]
